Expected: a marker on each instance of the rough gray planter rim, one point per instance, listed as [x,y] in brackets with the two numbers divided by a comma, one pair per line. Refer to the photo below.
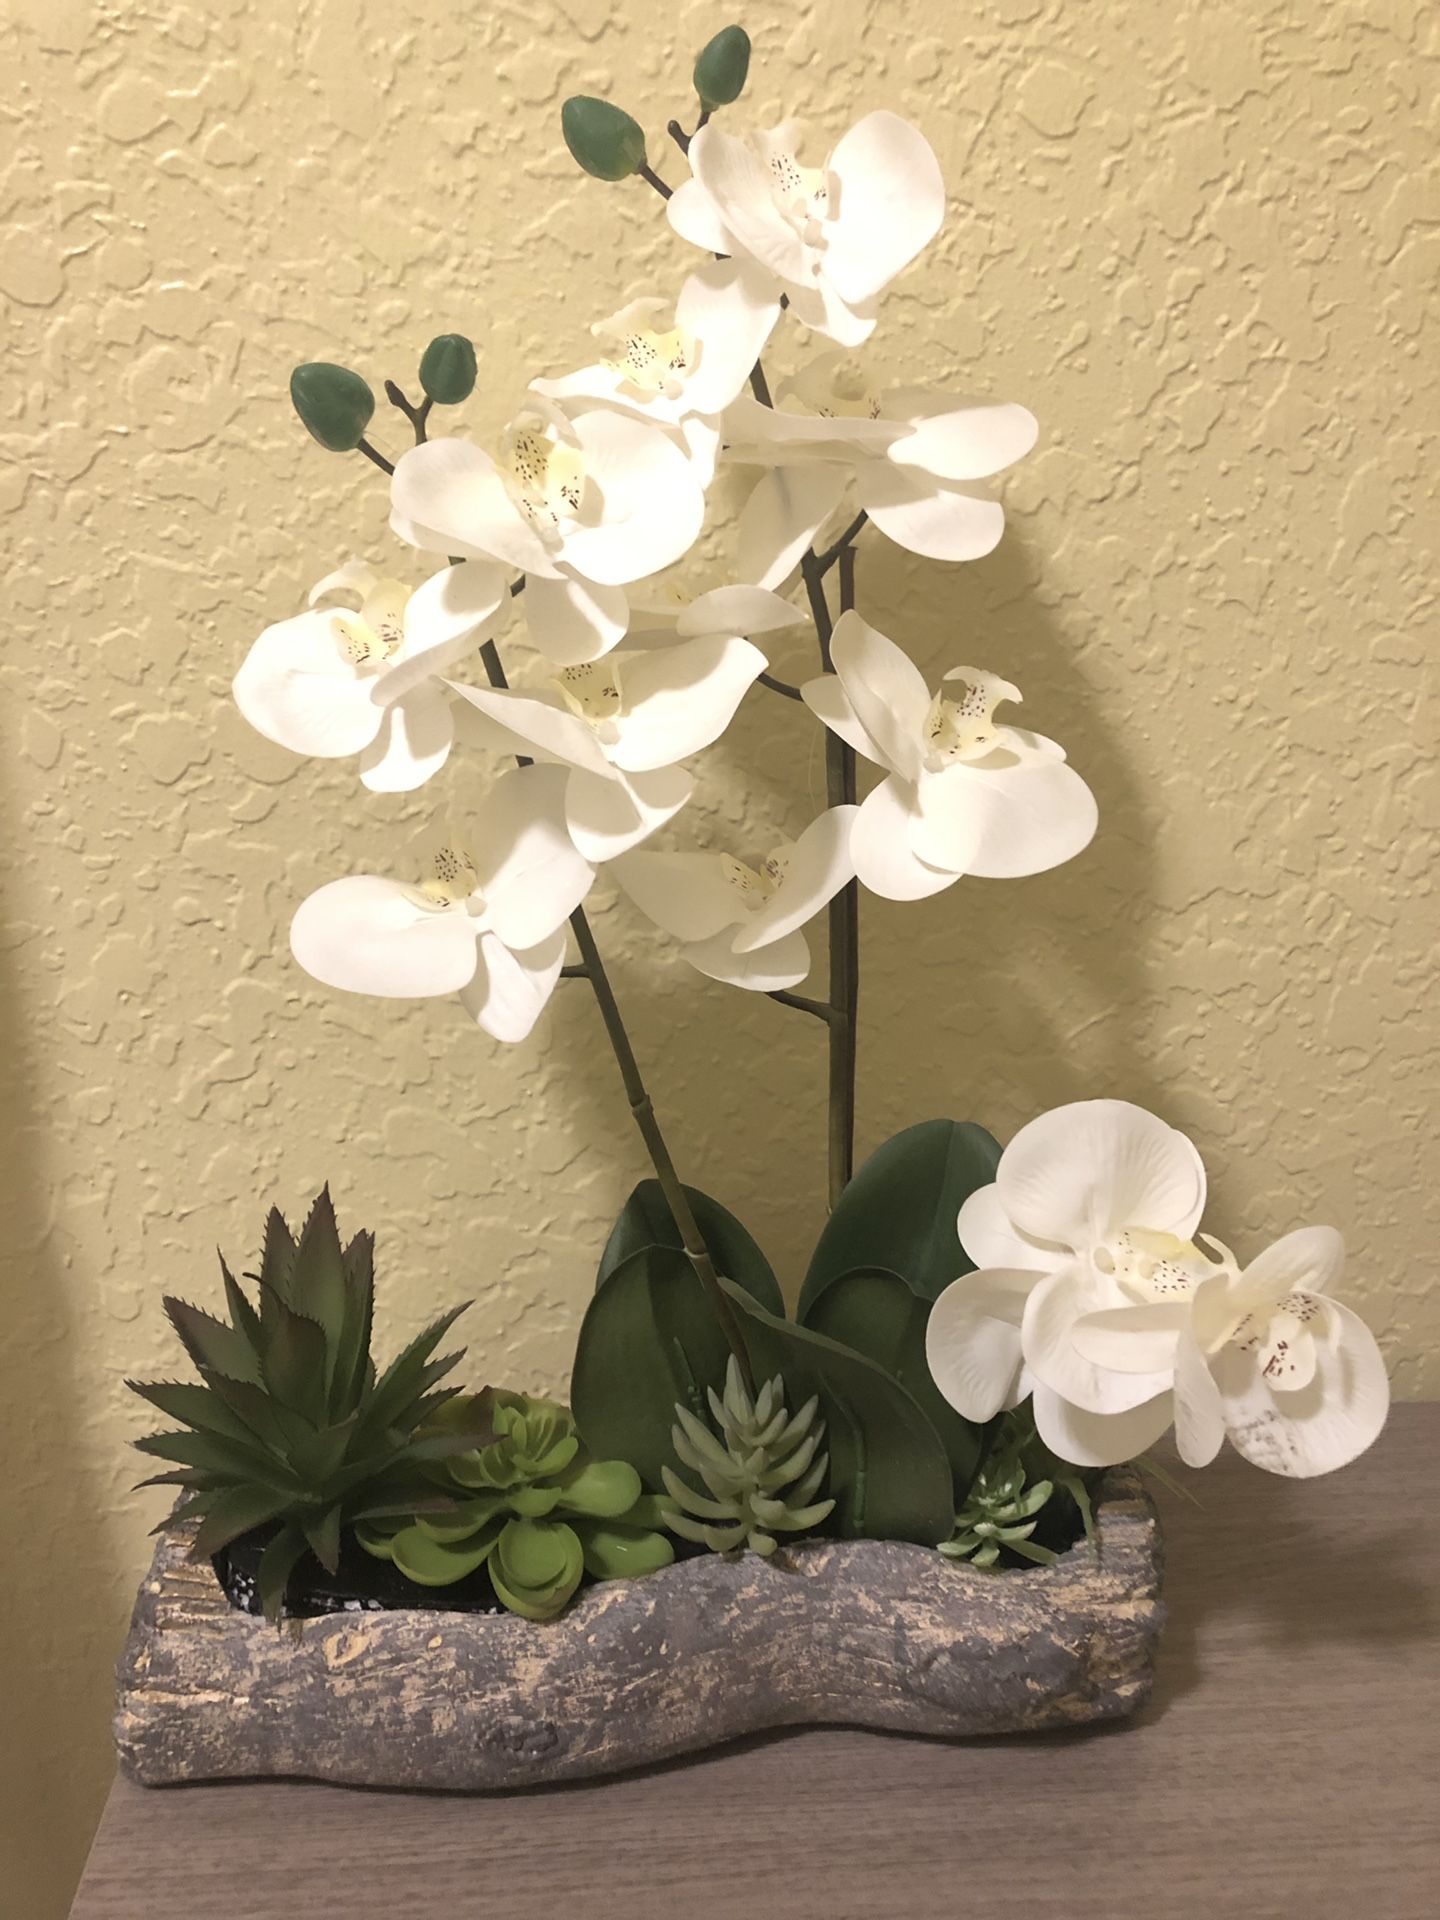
[858,1632]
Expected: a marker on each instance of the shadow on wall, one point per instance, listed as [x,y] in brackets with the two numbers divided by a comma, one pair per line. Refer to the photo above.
[59,1567]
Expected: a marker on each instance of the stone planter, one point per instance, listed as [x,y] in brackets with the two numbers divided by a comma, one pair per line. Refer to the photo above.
[865,1633]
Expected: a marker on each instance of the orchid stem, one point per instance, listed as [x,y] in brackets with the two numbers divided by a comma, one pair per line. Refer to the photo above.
[648,173]
[777,685]
[821,1009]
[417,416]
[378,459]
[642,1107]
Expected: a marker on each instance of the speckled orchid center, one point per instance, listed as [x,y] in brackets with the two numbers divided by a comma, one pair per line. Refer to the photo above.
[370,637]
[836,390]
[1152,1268]
[961,726]
[1282,1338]
[545,477]
[593,693]
[757,886]
[801,195]
[451,879]
[648,358]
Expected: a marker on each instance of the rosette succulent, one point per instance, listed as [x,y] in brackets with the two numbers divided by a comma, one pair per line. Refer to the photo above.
[292,1429]
[530,1505]
[762,1471]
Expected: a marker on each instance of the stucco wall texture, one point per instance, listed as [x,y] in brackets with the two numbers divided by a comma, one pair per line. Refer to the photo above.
[1197,237]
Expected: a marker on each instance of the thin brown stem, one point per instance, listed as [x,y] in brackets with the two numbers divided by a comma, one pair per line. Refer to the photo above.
[642,1107]
[777,685]
[417,416]
[759,386]
[678,134]
[648,174]
[376,458]
[821,1009]
[843,545]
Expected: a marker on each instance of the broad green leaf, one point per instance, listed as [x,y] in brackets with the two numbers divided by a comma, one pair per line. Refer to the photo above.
[646,1221]
[536,1567]
[194,1407]
[317,1280]
[600,1489]
[879,1316]
[603,139]
[333,403]
[721,70]
[294,1361]
[429,1563]
[889,1474]
[649,1339]
[239,1465]
[447,369]
[212,1343]
[898,1213]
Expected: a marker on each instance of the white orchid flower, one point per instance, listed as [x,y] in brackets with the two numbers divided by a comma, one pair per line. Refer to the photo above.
[486,921]
[831,237]
[1294,1379]
[1089,1222]
[583,503]
[671,361]
[914,459]
[367,679]
[963,794]
[621,725]
[739,923]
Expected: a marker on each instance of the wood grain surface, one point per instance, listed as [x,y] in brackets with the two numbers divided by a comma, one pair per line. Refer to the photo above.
[1284,1769]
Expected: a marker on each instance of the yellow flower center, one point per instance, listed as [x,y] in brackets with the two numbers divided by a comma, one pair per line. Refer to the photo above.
[836,390]
[757,885]
[546,477]
[592,692]
[369,638]
[1151,1267]
[963,727]
[451,878]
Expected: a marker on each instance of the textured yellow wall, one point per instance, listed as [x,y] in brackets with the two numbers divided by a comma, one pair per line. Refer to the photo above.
[1195,236]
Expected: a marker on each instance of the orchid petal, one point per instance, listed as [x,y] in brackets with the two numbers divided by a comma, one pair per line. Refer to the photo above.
[986,1233]
[1059,1301]
[695,217]
[368,934]
[1199,1410]
[654,506]
[536,721]
[886,689]
[953,439]
[780,520]
[608,816]
[679,699]
[1310,1260]
[294,688]
[444,620]
[573,621]
[820,863]
[413,744]
[880,843]
[1082,1173]
[530,873]
[447,496]
[1132,1339]
[830,703]
[737,182]
[737,610]
[510,991]
[686,894]
[937,519]
[1089,1439]
[352,576]
[1005,823]
[783,964]
[730,307]
[972,1340]
[1321,1427]
[891,203]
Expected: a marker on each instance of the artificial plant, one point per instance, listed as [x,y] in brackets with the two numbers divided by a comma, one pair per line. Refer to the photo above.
[1075,1284]
[290,1429]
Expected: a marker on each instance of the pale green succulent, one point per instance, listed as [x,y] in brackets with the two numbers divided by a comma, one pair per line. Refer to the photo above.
[531,1506]
[761,1470]
[1000,1511]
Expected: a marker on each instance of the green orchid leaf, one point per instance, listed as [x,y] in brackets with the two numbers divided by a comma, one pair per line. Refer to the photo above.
[889,1474]
[603,139]
[649,1339]
[877,1314]
[646,1221]
[898,1213]
[614,1551]
[333,403]
[722,68]
[448,369]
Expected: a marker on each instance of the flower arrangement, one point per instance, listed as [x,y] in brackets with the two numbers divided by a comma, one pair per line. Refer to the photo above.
[980,1332]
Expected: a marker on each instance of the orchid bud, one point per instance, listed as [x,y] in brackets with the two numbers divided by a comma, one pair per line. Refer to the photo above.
[603,139]
[333,403]
[447,369]
[721,70]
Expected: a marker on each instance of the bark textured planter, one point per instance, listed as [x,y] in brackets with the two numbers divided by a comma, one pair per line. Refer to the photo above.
[865,1633]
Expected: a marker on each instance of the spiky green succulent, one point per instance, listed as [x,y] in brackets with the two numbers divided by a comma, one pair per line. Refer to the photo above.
[1017,1482]
[531,1505]
[291,1429]
[762,1470]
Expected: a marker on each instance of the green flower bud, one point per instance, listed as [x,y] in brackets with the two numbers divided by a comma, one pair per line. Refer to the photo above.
[333,403]
[603,139]
[447,369]
[722,67]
